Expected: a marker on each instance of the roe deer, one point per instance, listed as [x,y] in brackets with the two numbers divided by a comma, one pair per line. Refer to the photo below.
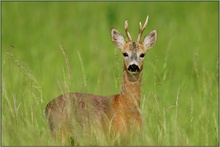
[116,113]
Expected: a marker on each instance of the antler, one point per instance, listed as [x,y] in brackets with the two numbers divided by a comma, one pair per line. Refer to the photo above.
[141,30]
[126,30]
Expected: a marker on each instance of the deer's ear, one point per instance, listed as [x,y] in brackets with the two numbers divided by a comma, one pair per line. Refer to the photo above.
[117,38]
[150,40]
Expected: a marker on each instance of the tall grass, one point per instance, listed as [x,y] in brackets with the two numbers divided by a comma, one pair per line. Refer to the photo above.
[49,48]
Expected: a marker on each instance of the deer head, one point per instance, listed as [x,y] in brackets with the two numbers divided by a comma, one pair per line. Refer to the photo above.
[134,52]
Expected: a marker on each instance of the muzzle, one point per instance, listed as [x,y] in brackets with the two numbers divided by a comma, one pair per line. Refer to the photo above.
[133,68]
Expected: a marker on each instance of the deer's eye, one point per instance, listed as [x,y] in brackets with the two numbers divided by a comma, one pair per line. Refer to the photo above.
[142,55]
[125,54]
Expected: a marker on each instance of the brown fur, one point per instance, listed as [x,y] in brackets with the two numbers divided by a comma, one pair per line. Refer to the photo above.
[121,110]
[117,114]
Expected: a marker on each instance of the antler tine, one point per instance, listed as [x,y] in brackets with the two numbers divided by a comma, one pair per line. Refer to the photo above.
[127,32]
[141,30]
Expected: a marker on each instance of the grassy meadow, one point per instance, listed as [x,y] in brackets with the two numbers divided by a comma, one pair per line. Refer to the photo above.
[51,47]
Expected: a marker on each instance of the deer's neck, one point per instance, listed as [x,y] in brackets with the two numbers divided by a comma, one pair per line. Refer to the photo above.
[131,87]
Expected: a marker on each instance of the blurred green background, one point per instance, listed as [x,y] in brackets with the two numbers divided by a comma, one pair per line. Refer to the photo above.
[180,83]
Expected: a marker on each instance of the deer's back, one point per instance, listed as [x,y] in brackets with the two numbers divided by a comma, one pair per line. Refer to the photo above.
[61,110]
[87,109]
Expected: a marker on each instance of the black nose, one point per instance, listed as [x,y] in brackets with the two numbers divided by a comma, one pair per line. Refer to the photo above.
[133,68]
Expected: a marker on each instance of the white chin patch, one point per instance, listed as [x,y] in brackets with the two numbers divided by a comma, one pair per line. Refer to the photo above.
[133,73]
